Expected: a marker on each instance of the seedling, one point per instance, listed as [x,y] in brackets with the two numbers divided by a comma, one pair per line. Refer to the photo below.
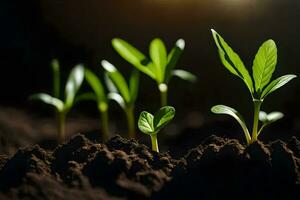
[259,84]
[161,66]
[151,125]
[121,92]
[98,95]
[73,84]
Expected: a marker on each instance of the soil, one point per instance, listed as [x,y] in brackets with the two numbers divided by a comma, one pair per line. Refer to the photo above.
[19,128]
[219,168]
[84,168]
[222,168]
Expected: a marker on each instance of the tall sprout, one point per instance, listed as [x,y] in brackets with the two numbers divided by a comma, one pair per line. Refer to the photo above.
[259,84]
[99,96]
[125,94]
[62,107]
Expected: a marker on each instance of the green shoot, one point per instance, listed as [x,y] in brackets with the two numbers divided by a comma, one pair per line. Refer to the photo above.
[73,84]
[121,92]
[99,96]
[160,67]
[151,125]
[259,84]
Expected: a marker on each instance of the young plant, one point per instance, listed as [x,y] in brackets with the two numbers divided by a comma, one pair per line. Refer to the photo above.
[98,95]
[121,92]
[161,65]
[73,84]
[259,84]
[152,124]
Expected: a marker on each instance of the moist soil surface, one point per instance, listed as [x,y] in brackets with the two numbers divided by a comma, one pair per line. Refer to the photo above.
[85,168]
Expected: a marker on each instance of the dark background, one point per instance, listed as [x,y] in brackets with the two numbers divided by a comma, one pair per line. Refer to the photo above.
[33,32]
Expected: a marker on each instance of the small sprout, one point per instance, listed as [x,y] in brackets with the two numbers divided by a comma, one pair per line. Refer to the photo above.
[98,95]
[264,65]
[160,67]
[73,84]
[121,92]
[151,125]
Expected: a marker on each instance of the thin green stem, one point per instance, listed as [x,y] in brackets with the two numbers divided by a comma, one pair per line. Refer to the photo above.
[154,142]
[261,128]
[130,121]
[61,120]
[163,88]
[257,104]
[105,126]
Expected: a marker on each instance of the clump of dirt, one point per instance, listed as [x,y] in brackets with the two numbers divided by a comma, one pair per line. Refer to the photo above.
[219,168]
[85,169]
[223,168]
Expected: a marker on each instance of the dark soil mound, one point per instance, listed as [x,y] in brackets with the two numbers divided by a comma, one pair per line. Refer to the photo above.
[224,169]
[84,169]
[219,168]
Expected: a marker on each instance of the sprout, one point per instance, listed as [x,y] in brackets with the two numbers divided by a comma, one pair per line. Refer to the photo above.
[160,67]
[151,125]
[263,67]
[73,84]
[121,92]
[98,95]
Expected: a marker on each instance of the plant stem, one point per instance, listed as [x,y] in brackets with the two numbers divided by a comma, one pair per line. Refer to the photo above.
[130,121]
[154,142]
[61,120]
[257,104]
[105,127]
[163,88]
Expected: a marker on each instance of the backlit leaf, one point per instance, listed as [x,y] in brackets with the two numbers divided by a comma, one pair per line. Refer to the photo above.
[277,83]
[232,61]
[73,84]
[145,123]
[264,64]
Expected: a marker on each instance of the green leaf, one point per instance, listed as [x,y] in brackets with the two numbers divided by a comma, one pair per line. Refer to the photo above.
[232,61]
[267,119]
[222,109]
[274,116]
[263,116]
[46,98]
[73,84]
[264,64]
[277,83]
[109,84]
[145,123]
[173,58]
[158,54]
[117,98]
[96,85]
[117,79]
[184,75]
[56,77]
[132,55]
[163,117]
[134,85]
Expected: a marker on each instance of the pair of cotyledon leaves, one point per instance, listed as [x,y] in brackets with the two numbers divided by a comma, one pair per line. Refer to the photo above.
[161,66]
[73,84]
[265,118]
[151,124]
